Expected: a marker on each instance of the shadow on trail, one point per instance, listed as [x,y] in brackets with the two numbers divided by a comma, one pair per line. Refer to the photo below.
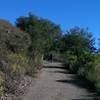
[56,67]
[78,82]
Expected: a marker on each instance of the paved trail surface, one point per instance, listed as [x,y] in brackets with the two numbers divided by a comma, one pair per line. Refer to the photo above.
[55,83]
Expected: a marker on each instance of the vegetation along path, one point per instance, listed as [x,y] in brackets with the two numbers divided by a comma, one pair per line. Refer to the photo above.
[55,83]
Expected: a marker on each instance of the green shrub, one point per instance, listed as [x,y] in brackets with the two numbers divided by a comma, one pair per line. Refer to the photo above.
[18,64]
[34,64]
[1,83]
[72,63]
[93,74]
[14,60]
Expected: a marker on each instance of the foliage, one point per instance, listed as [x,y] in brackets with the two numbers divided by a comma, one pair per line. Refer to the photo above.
[77,40]
[93,73]
[78,46]
[14,59]
[43,33]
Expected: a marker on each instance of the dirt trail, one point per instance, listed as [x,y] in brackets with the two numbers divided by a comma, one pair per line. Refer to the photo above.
[54,83]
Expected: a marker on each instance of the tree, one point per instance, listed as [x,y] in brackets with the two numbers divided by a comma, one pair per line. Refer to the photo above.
[77,40]
[43,32]
[77,45]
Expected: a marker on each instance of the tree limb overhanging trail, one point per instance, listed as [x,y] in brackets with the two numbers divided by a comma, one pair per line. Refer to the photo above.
[55,83]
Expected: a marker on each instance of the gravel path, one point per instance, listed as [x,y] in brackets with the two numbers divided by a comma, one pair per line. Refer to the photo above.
[55,83]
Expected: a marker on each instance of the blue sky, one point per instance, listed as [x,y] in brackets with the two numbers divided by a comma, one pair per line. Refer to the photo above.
[66,13]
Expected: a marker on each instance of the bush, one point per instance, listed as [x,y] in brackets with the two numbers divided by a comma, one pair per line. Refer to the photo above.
[14,56]
[72,63]
[12,39]
[1,83]
[18,64]
[93,74]
[14,71]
